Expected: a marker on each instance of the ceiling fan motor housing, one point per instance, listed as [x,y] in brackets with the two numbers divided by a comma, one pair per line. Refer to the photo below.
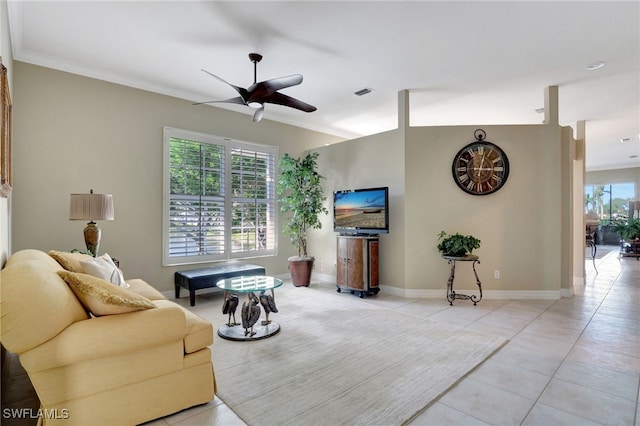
[255,57]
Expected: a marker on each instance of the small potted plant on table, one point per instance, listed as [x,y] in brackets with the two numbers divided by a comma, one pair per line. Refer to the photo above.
[301,194]
[457,245]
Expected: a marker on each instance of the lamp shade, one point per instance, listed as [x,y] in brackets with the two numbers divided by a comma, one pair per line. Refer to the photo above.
[91,207]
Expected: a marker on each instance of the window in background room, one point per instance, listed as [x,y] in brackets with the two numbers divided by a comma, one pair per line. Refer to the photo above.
[219,198]
[609,201]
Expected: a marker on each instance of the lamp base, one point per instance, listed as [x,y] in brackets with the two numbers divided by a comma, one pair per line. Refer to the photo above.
[92,235]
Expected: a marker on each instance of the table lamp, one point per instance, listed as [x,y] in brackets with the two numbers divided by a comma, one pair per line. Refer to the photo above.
[91,207]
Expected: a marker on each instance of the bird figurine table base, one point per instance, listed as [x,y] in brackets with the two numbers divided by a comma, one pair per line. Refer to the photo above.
[229,307]
[268,303]
[250,327]
[250,315]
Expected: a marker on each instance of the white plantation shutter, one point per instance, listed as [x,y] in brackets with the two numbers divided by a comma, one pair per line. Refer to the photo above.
[219,198]
[253,200]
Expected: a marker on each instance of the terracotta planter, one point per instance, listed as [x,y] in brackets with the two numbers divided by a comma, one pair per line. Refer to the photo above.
[301,272]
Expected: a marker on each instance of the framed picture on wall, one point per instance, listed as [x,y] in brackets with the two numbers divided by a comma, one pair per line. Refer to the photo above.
[5,134]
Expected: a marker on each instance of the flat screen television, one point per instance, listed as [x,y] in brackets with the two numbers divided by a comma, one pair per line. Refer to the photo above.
[361,211]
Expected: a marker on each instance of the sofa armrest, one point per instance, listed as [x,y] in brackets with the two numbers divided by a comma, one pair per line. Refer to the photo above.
[106,336]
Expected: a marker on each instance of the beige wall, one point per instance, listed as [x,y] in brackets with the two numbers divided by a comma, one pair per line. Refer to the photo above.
[525,228]
[570,215]
[5,203]
[373,161]
[74,133]
[519,226]
[579,225]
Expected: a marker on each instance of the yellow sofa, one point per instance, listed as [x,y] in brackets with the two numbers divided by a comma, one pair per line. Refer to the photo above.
[112,369]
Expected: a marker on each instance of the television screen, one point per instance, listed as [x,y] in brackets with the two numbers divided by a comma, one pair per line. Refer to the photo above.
[361,211]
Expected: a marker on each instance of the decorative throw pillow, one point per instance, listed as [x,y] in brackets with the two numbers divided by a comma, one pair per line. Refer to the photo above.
[70,261]
[100,297]
[103,267]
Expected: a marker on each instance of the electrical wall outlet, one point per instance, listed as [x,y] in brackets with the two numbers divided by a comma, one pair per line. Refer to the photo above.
[496,274]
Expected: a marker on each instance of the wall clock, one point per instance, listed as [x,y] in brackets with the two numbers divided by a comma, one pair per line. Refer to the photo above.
[481,167]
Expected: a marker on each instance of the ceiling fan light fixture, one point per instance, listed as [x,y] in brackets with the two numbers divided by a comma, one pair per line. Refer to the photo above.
[254,104]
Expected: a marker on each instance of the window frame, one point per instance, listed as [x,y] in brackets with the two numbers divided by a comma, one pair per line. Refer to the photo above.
[612,191]
[230,146]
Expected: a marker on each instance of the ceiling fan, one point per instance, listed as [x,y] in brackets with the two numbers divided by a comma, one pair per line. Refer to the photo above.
[258,94]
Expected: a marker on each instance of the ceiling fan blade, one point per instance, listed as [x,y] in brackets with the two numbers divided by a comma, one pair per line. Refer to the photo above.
[288,101]
[278,83]
[241,90]
[258,91]
[257,116]
[237,100]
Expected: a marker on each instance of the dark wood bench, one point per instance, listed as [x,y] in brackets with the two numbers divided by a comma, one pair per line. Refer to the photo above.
[198,279]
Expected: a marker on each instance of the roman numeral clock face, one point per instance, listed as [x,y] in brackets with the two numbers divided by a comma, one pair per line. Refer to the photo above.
[480,168]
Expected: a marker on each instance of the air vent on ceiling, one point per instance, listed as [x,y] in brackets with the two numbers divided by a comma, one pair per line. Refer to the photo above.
[364,91]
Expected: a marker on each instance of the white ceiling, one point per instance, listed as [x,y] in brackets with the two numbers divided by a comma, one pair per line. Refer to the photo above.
[463,62]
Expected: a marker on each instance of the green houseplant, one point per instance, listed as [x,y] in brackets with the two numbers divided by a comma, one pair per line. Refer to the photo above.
[300,191]
[457,245]
[628,230]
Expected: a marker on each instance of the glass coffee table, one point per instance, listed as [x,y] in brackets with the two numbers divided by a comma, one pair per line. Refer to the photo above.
[250,327]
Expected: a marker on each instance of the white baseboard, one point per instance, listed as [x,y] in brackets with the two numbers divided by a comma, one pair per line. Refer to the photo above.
[486,294]
[440,293]
[170,294]
[423,293]
[319,276]
[577,282]
[566,292]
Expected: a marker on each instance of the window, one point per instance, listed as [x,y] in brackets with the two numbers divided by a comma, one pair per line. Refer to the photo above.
[609,201]
[219,198]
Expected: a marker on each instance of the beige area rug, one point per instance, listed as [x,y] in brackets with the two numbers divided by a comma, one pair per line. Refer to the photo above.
[341,360]
[601,251]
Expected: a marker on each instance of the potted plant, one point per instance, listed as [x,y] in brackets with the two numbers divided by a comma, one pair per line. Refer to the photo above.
[301,194]
[629,232]
[457,245]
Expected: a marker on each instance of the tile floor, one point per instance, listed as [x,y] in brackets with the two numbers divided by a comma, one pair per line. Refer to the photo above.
[573,361]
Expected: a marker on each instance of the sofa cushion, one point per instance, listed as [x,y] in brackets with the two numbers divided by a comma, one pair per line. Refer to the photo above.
[199,331]
[36,304]
[30,255]
[70,261]
[103,267]
[100,297]
[142,288]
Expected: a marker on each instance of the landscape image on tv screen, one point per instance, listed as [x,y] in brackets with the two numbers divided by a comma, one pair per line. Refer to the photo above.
[360,209]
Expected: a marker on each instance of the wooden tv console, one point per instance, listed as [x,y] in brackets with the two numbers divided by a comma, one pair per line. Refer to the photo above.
[357,265]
